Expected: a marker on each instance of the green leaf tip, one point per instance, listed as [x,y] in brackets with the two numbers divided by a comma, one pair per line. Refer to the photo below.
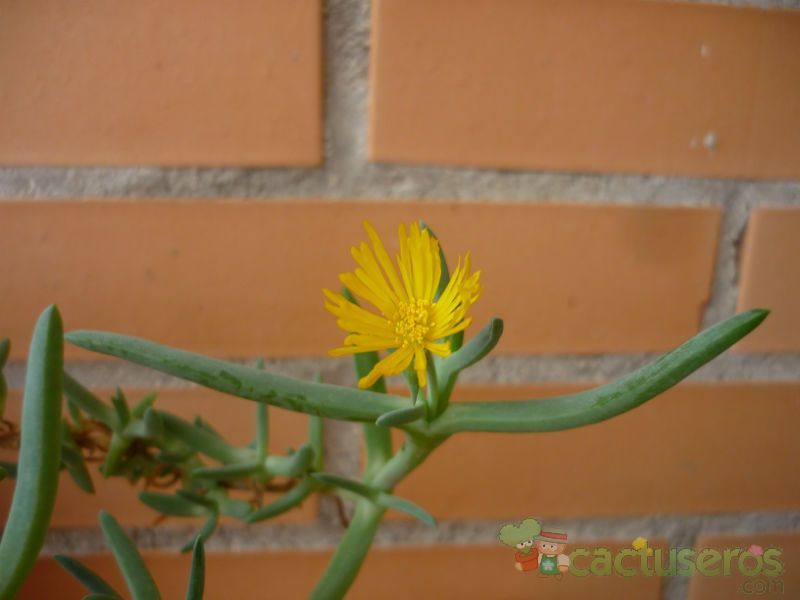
[604,402]
[401,416]
[377,496]
[138,579]
[88,578]
[198,573]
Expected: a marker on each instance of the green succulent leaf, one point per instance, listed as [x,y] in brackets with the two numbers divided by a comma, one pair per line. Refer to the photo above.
[138,579]
[88,578]
[141,407]
[73,460]
[89,403]
[172,505]
[149,426]
[315,438]
[321,399]
[401,416]
[379,497]
[100,597]
[153,424]
[39,455]
[120,404]
[390,501]
[604,402]
[228,472]
[205,501]
[204,532]
[481,344]
[117,447]
[233,507]
[288,501]
[197,576]
[203,440]
[293,465]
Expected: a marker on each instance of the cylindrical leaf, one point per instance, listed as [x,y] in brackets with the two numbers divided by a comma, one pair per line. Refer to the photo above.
[39,455]
[202,440]
[293,465]
[322,399]
[171,505]
[205,531]
[90,580]
[401,416]
[198,574]
[227,472]
[604,402]
[88,402]
[138,579]
[289,500]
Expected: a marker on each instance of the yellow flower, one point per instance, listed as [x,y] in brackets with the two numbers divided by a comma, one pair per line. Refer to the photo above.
[641,542]
[410,321]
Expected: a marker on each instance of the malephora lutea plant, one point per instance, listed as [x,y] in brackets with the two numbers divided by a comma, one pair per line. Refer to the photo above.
[403,316]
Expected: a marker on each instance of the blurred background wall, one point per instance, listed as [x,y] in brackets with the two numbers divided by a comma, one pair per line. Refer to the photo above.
[624,173]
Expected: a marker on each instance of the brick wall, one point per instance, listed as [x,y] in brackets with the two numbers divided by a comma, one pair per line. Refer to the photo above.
[624,173]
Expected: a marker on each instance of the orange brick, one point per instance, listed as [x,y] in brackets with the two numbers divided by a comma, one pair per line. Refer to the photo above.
[619,85]
[244,278]
[770,278]
[446,572]
[698,448]
[187,83]
[787,585]
[232,417]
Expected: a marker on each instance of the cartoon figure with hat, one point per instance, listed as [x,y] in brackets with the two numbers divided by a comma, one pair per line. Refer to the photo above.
[551,544]
[521,537]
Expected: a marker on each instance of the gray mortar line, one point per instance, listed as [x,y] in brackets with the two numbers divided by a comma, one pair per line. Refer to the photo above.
[372,183]
[505,370]
[680,530]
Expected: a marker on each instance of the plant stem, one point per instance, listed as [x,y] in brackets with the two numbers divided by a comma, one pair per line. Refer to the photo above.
[352,550]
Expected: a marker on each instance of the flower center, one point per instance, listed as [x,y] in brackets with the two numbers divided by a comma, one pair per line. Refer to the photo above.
[411,322]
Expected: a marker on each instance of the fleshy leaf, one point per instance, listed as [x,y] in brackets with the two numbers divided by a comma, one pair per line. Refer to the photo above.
[39,455]
[90,580]
[401,416]
[481,344]
[294,497]
[202,440]
[604,402]
[138,579]
[88,402]
[198,574]
[332,401]
[379,497]
[204,532]
[293,465]
[172,505]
